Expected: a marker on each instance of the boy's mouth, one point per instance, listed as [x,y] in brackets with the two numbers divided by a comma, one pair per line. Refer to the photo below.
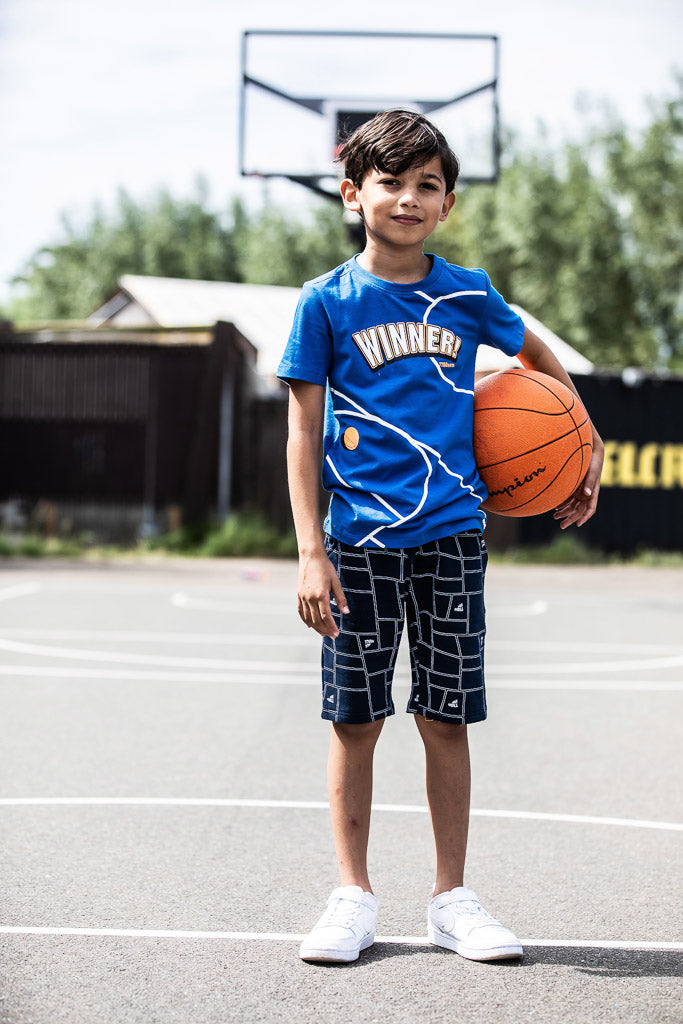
[403,218]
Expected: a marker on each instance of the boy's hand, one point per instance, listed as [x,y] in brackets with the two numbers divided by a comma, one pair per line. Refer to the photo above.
[583,502]
[317,580]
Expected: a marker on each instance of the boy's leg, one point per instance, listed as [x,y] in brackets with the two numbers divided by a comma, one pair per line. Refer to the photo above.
[447,761]
[349,780]
[348,924]
[456,918]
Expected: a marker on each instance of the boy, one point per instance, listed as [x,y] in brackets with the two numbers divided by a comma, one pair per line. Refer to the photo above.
[380,361]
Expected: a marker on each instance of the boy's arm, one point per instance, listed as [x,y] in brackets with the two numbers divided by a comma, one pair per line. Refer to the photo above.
[317,578]
[535,355]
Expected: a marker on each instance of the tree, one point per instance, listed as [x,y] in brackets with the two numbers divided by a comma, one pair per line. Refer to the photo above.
[177,238]
[277,249]
[588,239]
[168,237]
[647,177]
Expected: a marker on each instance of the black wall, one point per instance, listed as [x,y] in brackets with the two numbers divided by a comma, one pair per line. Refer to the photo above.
[641,494]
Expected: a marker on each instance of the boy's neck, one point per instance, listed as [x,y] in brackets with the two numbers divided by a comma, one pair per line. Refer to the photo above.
[397,267]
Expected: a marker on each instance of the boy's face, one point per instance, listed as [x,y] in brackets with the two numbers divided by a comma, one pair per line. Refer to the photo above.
[401,209]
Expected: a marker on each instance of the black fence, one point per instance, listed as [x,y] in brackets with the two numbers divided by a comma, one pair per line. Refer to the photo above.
[175,425]
[157,421]
[640,419]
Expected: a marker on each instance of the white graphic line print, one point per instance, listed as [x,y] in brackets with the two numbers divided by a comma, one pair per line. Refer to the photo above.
[359,412]
[432,303]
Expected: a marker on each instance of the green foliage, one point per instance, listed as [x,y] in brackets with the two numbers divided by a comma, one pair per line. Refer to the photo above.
[242,534]
[276,249]
[32,545]
[589,239]
[648,178]
[567,549]
[170,238]
[247,535]
[176,238]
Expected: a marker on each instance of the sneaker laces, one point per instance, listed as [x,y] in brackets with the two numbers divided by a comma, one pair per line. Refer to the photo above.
[474,909]
[342,913]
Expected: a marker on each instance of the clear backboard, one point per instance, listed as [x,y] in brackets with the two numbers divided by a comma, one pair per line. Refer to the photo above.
[302,92]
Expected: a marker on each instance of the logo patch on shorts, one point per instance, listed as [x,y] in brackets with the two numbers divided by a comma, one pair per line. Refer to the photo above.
[453,703]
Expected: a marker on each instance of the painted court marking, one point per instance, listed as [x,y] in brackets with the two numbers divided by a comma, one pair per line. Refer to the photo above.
[278,668]
[310,678]
[19,590]
[403,940]
[183,600]
[319,805]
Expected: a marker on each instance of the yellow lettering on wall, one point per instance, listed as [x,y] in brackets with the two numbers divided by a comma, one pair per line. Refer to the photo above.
[672,465]
[626,464]
[608,478]
[646,466]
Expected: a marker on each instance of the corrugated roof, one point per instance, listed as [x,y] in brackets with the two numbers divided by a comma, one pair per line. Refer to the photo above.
[263,314]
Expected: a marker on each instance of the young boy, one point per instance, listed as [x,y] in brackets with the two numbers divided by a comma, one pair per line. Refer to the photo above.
[380,364]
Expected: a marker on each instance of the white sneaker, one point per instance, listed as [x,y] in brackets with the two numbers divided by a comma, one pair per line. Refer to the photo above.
[347,926]
[457,920]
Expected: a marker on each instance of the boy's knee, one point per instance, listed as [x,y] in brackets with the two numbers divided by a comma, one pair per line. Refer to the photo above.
[432,730]
[358,733]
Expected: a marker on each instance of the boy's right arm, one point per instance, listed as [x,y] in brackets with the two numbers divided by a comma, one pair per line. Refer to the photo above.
[317,578]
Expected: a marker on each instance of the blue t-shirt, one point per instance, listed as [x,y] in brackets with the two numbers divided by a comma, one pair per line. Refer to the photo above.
[398,362]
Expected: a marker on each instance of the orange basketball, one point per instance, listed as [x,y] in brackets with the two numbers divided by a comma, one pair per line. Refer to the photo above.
[532,441]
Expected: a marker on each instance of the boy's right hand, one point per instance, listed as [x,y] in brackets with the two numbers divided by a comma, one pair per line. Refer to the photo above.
[317,580]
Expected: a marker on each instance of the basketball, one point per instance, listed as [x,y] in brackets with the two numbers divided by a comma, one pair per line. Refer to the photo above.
[532,441]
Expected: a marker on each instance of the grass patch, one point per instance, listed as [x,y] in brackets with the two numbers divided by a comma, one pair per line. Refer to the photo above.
[247,535]
[567,549]
[241,535]
[33,545]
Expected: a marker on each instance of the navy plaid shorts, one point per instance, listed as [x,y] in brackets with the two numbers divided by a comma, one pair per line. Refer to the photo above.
[438,590]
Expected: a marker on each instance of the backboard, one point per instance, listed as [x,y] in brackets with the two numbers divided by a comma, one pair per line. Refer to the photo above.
[301,92]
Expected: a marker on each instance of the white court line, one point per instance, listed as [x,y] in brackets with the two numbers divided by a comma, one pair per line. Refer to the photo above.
[19,590]
[183,600]
[319,805]
[117,657]
[306,638]
[310,676]
[407,940]
[278,667]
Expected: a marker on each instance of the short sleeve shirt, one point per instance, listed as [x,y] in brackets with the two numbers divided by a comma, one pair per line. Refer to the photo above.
[398,363]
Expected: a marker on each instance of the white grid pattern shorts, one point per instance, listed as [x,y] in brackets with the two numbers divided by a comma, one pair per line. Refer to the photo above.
[438,590]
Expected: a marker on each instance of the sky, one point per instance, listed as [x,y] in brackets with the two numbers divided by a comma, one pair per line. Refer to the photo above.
[143,94]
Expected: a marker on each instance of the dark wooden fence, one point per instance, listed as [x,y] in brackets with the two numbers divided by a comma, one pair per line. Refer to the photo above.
[175,426]
[155,420]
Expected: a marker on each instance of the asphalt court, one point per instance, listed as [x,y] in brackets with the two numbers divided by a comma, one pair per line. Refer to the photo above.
[165,837]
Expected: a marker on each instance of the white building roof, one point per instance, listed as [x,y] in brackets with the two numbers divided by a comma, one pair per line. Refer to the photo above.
[263,314]
[573,362]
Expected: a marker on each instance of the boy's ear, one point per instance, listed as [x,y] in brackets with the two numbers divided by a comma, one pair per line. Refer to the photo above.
[349,194]
[448,204]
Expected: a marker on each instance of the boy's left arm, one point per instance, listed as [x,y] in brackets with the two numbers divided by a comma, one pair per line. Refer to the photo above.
[535,355]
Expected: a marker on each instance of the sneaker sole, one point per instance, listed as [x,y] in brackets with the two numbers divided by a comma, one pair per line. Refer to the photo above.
[335,956]
[511,952]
